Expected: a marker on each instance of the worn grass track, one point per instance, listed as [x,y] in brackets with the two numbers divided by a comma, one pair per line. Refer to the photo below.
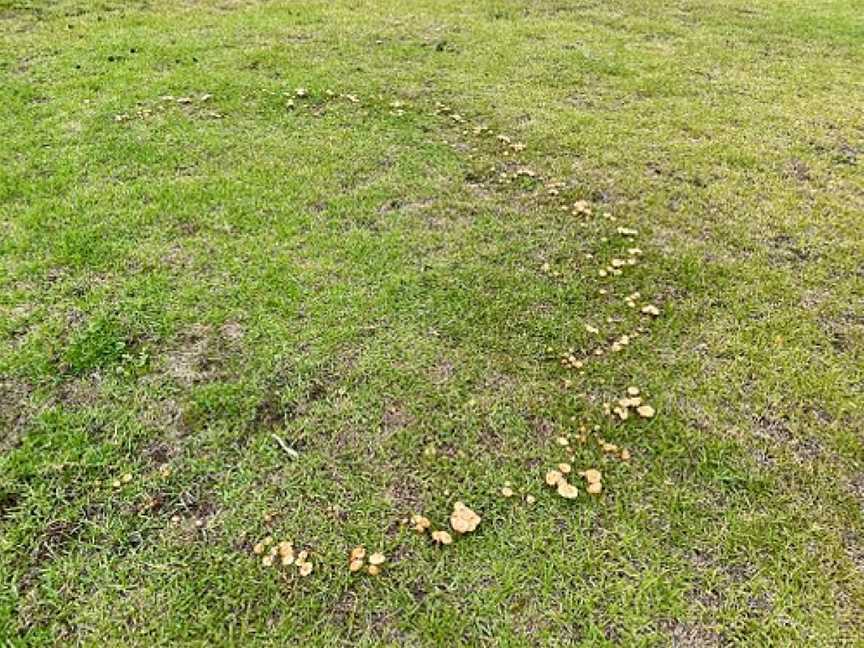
[189,266]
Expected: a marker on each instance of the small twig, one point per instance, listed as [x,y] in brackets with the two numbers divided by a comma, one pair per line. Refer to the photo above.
[291,452]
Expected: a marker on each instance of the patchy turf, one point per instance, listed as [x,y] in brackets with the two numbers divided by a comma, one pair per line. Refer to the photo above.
[195,262]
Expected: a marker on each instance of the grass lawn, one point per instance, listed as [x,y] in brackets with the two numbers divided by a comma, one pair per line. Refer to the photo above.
[304,269]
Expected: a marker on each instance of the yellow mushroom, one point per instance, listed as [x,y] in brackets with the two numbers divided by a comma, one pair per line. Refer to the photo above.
[592,476]
[553,477]
[442,537]
[567,490]
[645,411]
[463,519]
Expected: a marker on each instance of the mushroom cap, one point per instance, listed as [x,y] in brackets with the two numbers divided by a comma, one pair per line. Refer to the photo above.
[645,411]
[420,522]
[442,537]
[567,490]
[592,476]
[285,549]
[553,477]
[463,519]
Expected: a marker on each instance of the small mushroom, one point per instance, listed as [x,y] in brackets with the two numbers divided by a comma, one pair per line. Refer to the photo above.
[645,411]
[567,490]
[420,523]
[553,477]
[442,537]
[592,476]
[285,549]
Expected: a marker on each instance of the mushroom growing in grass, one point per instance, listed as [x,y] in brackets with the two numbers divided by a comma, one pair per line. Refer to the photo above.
[595,480]
[442,537]
[463,519]
[420,523]
[553,477]
[595,488]
[592,475]
[645,411]
[567,490]
[355,559]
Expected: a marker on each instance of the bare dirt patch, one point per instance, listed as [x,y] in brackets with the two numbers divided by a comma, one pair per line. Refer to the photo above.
[692,635]
[81,392]
[14,411]
[197,359]
[854,545]
[776,430]
[159,452]
[442,372]
[405,494]
[396,417]
[856,488]
[165,415]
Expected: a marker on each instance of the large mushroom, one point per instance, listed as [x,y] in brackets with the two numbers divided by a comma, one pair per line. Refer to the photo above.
[463,519]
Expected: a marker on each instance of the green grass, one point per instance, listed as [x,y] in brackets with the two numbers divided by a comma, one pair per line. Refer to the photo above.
[180,281]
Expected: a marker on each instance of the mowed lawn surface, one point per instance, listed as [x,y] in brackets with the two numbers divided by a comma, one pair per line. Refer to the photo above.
[197,260]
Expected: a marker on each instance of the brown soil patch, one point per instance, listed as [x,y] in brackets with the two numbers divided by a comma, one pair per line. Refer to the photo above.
[14,411]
